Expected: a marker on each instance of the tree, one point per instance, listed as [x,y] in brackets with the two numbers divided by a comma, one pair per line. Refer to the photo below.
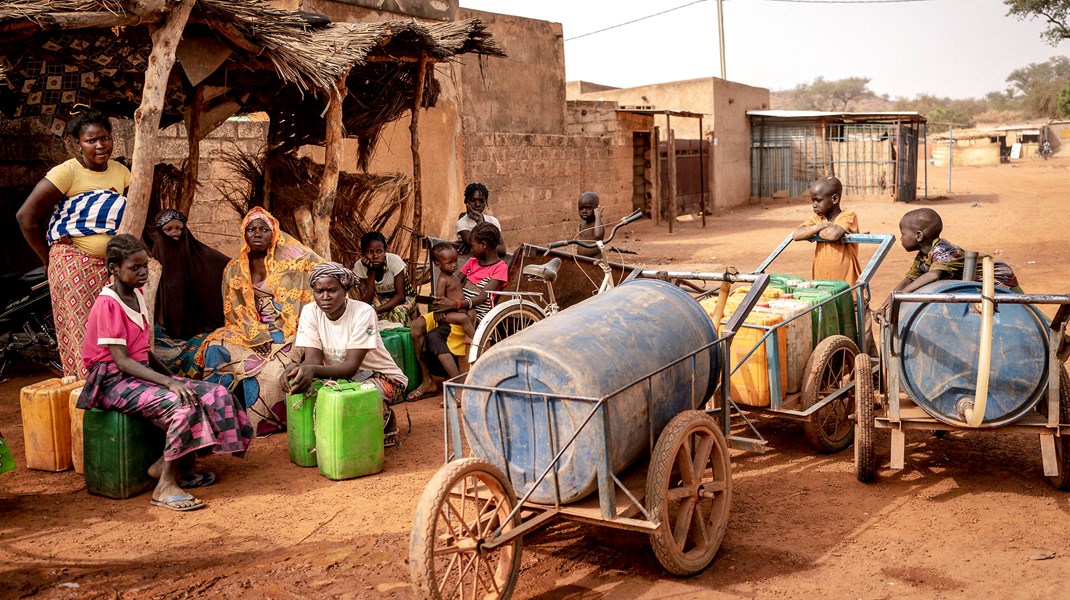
[1038,85]
[1063,101]
[1055,12]
[827,95]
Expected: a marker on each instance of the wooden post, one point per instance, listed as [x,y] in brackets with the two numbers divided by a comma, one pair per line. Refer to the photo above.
[147,116]
[702,172]
[417,188]
[332,157]
[656,200]
[193,155]
[670,154]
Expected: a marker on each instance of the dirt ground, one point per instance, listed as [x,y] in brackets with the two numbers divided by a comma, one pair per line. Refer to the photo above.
[971,515]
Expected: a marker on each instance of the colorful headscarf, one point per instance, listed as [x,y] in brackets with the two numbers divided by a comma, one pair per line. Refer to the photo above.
[332,269]
[288,264]
[167,216]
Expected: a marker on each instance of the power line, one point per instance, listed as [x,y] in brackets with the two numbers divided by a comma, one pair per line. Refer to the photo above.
[658,14]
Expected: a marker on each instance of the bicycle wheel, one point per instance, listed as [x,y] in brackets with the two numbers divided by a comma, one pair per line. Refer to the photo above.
[501,322]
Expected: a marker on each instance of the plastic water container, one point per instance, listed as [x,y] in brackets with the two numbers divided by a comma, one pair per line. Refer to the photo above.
[398,342]
[590,350]
[800,338]
[7,458]
[349,430]
[46,424]
[750,383]
[119,449]
[939,344]
[784,283]
[845,305]
[300,426]
[767,294]
[825,318]
[77,440]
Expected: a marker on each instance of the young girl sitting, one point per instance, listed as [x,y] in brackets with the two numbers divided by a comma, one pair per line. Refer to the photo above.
[198,417]
[339,339]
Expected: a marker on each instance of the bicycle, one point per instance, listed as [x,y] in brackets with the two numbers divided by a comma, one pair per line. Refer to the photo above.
[522,309]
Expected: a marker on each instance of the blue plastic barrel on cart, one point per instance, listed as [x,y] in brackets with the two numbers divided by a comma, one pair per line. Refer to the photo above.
[939,344]
[592,350]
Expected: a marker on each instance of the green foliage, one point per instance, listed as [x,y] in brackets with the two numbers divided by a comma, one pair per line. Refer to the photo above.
[1055,12]
[1038,86]
[837,95]
[1062,102]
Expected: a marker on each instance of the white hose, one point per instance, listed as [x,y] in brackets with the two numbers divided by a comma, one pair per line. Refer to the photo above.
[976,415]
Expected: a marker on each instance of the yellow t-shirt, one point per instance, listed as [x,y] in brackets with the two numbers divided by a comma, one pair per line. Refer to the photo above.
[834,260]
[71,178]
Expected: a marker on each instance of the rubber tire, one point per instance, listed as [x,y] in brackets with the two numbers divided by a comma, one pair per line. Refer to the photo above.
[522,315]
[865,430]
[421,545]
[826,350]
[660,476]
[1062,442]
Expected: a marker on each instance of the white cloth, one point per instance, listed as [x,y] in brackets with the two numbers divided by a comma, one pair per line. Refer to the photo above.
[395,265]
[465,223]
[356,329]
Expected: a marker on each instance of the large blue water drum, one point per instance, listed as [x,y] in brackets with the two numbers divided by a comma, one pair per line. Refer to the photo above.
[939,345]
[591,350]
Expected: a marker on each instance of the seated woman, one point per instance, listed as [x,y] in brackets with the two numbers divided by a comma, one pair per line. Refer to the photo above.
[437,344]
[383,280]
[264,290]
[198,417]
[339,340]
[82,200]
[189,304]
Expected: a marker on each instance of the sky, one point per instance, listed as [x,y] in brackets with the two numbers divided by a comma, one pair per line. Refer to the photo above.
[954,48]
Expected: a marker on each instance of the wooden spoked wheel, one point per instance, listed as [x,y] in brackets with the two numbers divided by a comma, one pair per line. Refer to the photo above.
[501,322]
[464,507]
[830,368]
[689,486]
[865,428]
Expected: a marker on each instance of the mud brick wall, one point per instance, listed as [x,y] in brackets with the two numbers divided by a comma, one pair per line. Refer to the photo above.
[535,179]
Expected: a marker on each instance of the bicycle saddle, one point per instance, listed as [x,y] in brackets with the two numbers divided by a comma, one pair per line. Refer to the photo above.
[547,272]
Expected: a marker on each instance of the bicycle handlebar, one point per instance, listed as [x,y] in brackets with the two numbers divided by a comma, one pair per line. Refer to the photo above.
[635,216]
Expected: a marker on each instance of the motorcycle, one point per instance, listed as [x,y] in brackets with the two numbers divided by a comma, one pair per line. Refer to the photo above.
[27,331]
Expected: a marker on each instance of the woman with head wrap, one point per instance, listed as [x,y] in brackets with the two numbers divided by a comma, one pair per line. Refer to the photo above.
[189,304]
[339,339]
[264,290]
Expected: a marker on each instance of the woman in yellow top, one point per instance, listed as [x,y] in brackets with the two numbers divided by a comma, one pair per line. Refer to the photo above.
[83,200]
[264,289]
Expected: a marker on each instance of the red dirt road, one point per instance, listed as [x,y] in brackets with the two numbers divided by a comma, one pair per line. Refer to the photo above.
[971,515]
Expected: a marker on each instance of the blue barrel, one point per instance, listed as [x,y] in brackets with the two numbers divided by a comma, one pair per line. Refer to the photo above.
[939,344]
[590,350]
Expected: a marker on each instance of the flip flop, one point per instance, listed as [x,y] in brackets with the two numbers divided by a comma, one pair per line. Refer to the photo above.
[171,503]
[196,480]
[415,395]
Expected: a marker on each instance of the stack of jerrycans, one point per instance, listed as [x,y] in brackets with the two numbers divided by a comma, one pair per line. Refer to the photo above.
[46,423]
[337,426]
[751,384]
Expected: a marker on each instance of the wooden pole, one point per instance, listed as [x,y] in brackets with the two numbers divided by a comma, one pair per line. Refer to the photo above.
[670,154]
[193,155]
[702,171]
[656,200]
[147,116]
[332,158]
[417,188]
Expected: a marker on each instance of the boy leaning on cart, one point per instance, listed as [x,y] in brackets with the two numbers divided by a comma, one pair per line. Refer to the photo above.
[832,259]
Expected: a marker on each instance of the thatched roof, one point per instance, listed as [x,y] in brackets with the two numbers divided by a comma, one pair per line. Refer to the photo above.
[52,57]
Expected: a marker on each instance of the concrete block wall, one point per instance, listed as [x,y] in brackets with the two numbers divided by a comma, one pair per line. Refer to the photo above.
[535,179]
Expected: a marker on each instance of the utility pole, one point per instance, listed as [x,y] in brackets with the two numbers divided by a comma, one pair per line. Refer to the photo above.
[720,34]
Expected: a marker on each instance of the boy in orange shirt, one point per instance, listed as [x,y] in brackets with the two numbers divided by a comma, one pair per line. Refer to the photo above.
[832,259]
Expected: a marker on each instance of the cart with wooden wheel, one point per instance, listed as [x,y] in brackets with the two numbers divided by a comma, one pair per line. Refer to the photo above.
[537,452]
[967,357]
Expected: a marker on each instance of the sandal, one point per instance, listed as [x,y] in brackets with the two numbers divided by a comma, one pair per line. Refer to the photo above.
[196,480]
[416,394]
[171,503]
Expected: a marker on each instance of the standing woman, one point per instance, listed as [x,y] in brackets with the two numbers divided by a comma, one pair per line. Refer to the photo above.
[383,281]
[189,304]
[83,200]
[264,289]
